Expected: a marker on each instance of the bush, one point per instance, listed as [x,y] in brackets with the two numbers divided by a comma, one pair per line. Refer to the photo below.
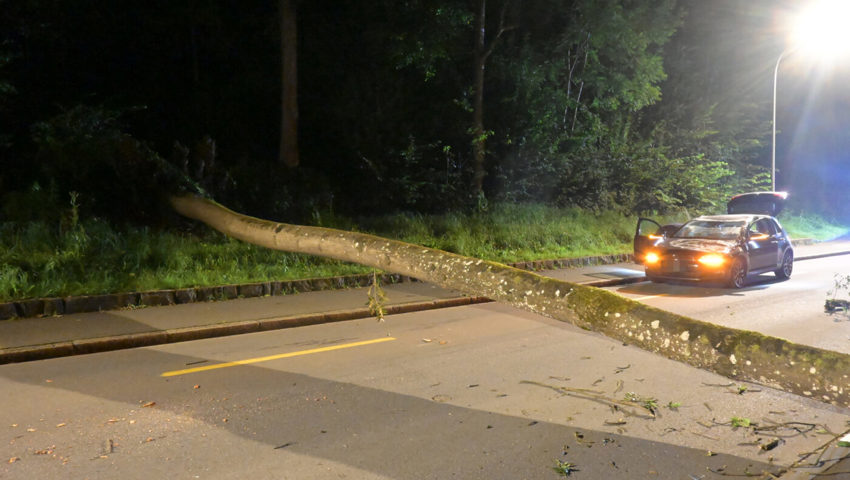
[85,150]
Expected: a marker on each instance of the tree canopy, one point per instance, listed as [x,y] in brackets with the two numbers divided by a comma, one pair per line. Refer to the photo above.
[623,104]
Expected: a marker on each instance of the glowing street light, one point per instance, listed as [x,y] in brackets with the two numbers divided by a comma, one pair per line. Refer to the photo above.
[821,29]
[821,32]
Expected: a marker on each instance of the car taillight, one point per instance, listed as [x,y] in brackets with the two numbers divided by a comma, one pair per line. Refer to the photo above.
[651,258]
[712,260]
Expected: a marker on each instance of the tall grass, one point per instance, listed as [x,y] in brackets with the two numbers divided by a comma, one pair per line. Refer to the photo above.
[92,257]
[812,226]
[511,232]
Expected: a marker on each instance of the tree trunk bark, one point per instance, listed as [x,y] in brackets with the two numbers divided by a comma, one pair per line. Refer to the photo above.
[739,354]
[289,84]
[469,275]
[478,138]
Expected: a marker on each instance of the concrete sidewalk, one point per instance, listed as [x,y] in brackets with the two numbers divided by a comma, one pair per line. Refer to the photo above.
[26,339]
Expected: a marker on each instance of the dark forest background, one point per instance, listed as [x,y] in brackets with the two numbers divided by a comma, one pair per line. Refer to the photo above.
[625,105]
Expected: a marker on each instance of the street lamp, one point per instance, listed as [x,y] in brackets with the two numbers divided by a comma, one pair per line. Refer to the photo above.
[773,146]
[820,31]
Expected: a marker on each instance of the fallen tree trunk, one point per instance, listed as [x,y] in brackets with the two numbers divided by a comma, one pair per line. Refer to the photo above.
[739,354]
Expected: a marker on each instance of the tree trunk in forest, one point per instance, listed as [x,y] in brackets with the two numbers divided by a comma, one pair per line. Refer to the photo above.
[289,84]
[739,354]
[478,138]
[480,55]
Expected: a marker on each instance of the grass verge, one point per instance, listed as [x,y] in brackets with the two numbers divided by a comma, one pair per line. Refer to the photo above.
[92,257]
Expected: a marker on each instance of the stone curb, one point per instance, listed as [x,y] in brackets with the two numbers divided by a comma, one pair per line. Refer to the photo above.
[159,337]
[103,344]
[823,255]
[95,303]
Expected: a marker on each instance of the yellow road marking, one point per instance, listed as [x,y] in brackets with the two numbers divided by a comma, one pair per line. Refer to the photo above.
[274,357]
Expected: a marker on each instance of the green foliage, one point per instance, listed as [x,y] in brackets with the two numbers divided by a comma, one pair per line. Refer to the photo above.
[740,422]
[649,403]
[6,87]
[716,97]
[85,150]
[809,225]
[564,469]
[575,78]
[430,41]
[512,232]
[77,255]
[377,298]
[37,260]
[610,105]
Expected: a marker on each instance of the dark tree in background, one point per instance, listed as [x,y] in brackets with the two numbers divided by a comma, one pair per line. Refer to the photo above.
[289,83]
[420,105]
[484,46]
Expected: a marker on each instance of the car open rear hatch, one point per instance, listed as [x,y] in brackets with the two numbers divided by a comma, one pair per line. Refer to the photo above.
[757,203]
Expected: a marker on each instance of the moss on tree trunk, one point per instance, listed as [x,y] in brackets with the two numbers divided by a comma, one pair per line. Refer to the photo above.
[738,354]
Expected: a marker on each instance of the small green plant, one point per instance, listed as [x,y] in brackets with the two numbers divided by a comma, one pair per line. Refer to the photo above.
[648,403]
[674,405]
[742,389]
[833,304]
[741,422]
[565,469]
[377,298]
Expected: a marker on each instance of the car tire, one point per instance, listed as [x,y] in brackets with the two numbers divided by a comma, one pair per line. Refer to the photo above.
[787,266]
[737,274]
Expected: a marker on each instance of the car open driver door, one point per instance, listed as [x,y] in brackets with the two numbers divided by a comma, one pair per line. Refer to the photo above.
[647,233]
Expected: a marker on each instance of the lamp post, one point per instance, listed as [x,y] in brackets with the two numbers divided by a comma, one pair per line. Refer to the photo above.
[773,147]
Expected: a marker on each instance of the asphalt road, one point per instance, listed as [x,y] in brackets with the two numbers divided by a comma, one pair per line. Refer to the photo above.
[790,309]
[483,391]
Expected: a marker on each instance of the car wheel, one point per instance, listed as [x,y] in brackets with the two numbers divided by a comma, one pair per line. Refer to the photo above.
[784,270]
[737,274]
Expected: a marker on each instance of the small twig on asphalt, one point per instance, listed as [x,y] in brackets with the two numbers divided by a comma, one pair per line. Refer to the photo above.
[704,435]
[593,396]
[726,385]
[801,428]
[619,387]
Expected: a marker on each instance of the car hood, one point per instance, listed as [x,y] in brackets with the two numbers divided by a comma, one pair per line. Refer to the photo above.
[700,244]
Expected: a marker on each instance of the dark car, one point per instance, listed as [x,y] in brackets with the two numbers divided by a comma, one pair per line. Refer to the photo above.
[723,248]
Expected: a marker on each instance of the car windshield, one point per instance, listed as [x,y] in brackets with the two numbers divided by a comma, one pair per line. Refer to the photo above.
[710,229]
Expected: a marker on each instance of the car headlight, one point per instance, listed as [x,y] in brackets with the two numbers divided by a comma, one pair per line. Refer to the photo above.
[712,260]
[651,258]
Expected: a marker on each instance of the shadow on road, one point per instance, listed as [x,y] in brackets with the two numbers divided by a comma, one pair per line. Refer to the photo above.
[698,290]
[393,435]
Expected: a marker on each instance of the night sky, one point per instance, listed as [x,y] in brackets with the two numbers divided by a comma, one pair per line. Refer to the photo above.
[813,125]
